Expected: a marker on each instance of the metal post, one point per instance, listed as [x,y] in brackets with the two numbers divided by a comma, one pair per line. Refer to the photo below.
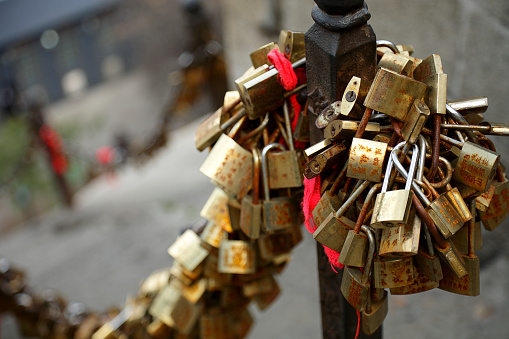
[338,46]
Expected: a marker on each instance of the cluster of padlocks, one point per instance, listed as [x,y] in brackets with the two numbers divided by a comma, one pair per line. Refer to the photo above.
[407,186]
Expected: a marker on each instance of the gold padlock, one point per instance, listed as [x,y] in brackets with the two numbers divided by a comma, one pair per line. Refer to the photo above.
[259,57]
[366,159]
[396,63]
[324,161]
[251,210]
[236,256]
[376,310]
[186,250]
[393,94]
[390,272]
[431,73]
[216,209]
[498,208]
[212,234]
[291,44]
[416,118]
[402,240]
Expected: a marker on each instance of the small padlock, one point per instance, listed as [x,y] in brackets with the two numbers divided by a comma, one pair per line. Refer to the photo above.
[236,256]
[393,208]
[356,285]
[498,208]
[354,249]
[212,234]
[330,201]
[396,63]
[453,194]
[427,262]
[291,44]
[324,160]
[470,283]
[280,212]
[229,166]
[390,272]
[186,250]
[476,166]
[376,310]
[402,240]
[216,209]
[366,159]
[345,130]
[251,209]
[393,94]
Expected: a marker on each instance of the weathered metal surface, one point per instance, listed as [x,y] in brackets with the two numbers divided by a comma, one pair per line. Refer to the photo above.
[186,250]
[393,272]
[324,160]
[366,159]
[236,256]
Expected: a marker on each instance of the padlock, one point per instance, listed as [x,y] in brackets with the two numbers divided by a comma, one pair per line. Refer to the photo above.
[328,114]
[333,231]
[421,283]
[476,166]
[355,284]
[470,283]
[212,234]
[250,74]
[280,212]
[164,303]
[229,166]
[460,238]
[431,73]
[353,252]
[427,263]
[236,256]
[259,57]
[390,272]
[402,240]
[216,209]
[186,250]
[366,159]
[396,63]
[498,208]
[345,130]
[324,160]
[392,208]
[350,95]
[251,210]
[275,244]
[226,116]
[301,132]
[291,44]
[216,326]
[453,194]
[185,315]
[330,201]
[393,94]
[259,286]
[284,167]
[413,124]
[376,310]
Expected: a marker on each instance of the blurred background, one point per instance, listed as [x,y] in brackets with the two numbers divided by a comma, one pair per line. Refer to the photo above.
[123,86]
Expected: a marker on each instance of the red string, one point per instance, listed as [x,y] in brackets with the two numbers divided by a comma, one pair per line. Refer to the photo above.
[333,258]
[358,324]
[54,144]
[310,200]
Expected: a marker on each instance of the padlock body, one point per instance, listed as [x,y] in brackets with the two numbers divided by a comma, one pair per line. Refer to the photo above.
[236,256]
[466,285]
[285,170]
[279,213]
[392,209]
[216,209]
[333,232]
[460,239]
[393,272]
[445,216]
[421,283]
[354,251]
[366,159]
[326,205]
[498,208]
[459,205]
[451,256]
[428,266]
[251,217]
[354,290]
[371,321]
[401,240]
[413,124]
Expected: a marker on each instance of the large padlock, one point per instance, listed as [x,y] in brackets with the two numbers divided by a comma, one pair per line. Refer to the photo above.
[376,310]
[356,285]
[393,94]
[476,166]
[366,159]
[353,252]
[285,167]
[187,250]
[401,240]
[470,283]
[236,256]
[291,44]
[280,212]
[251,209]
[390,272]
[333,230]
[498,208]
[393,208]
[259,57]
[229,166]
[431,73]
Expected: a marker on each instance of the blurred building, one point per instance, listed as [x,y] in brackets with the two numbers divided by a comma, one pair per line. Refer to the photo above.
[55,48]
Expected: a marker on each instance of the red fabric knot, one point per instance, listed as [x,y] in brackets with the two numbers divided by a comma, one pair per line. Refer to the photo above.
[287,75]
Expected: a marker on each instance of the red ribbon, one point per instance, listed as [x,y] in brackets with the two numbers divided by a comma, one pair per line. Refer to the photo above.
[54,144]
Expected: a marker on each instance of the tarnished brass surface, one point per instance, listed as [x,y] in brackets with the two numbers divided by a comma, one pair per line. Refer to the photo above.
[187,250]
[236,256]
[366,159]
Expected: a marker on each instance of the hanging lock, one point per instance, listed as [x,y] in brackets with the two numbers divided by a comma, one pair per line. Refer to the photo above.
[280,212]
[275,244]
[226,116]
[259,57]
[390,272]
[291,44]
[498,208]
[353,252]
[229,166]
[470,283]
[366,159]
[401,240]
[216,209]
[393,208]
[251,209]
[324,160]
[345,130]
[431,73]
[333,230]
[414,122]
[236,256]
[393,94]
[396,63]
[376,310]
[355,284]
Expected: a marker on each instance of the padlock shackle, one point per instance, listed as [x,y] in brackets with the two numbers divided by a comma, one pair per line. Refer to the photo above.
[413,163]
[456,116]
[256,131]
[445,179]
[371,254]
[288,125]
[256,175]
[388,44]
[471,230]
[265,166]
[365,207]
[233,120]
[346,205]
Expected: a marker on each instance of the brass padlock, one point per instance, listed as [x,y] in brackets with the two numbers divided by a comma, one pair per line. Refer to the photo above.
[354,248]
[390,272]
[321,146]
[470,283]
[476,166]
[396,63]
[366,159]
[186,250]
[216,326]
[402,240]
[164,303]
[212,234]
[421,283]
[324,161]
[427,262]
[185,315]
[460,238]
[274,244]
[413,124]
[356,285]
[393,94]
[333,230]
[251,210]
[498,208]
[229,166]
[259,57]
[393,208]
[216,209]
[431,73]
[226,116]
[236,256]
[345,130]
[280,212]
[376,310]
[291,44]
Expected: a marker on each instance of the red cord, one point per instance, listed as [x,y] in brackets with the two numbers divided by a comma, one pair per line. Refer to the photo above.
[358,324]
[54,144]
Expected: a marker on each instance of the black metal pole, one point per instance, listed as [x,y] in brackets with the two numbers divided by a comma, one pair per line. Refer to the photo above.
[339,45]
